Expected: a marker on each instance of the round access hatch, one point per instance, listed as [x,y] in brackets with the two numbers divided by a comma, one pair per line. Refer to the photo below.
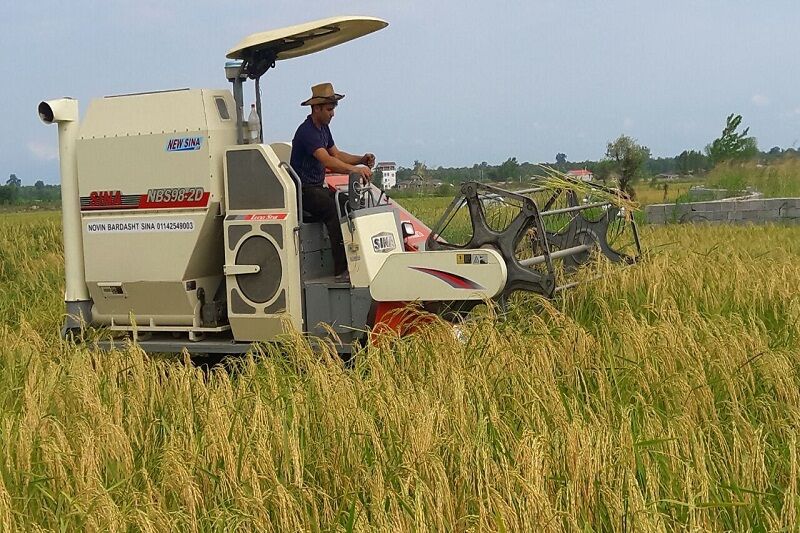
[260,287]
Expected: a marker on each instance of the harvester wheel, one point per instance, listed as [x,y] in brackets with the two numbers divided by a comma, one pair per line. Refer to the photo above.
[400,317]
[454,311]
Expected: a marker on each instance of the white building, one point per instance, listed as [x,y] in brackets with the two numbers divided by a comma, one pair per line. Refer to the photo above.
[389,170]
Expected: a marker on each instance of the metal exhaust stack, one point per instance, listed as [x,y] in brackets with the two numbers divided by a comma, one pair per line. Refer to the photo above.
[64,112]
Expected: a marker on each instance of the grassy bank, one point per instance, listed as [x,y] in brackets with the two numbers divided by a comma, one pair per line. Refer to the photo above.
[780,179]
[660,397]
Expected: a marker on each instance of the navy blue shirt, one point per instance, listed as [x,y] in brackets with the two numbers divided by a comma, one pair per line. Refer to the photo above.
[307,139]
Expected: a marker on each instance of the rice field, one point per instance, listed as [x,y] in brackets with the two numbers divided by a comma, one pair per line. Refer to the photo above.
[659,397]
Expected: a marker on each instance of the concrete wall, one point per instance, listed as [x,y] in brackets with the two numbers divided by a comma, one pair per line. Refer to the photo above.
[784,210]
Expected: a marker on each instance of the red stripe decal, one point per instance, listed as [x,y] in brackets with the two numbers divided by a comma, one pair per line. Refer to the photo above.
[454,280]
[139,201]
[106,207]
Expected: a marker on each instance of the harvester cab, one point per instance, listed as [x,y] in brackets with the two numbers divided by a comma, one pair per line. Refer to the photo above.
[182,230]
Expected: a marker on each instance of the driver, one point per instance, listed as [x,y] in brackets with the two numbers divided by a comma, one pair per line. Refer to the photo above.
[313,150]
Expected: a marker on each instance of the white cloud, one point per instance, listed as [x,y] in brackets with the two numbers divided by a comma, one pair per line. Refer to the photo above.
[760,100]
[791,114]
[627,123]
[43,151]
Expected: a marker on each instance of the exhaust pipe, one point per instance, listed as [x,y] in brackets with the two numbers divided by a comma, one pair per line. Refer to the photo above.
[58,111]
[64,112]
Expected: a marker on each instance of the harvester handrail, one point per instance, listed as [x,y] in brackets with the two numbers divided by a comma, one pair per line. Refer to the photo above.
[298,185]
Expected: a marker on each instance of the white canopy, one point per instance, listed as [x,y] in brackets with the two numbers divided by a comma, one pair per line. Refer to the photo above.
[307,38]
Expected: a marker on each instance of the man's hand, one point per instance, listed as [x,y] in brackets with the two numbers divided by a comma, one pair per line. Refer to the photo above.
[366,173]
[368,159]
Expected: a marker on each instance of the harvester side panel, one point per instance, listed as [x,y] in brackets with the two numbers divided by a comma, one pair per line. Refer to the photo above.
[261,236]
[370,237]
[150,182]
[440,275]
[124,142]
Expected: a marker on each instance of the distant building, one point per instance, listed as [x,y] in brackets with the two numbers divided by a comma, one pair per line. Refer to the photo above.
[581,174]
[419,184]
[389,170]
[413,183]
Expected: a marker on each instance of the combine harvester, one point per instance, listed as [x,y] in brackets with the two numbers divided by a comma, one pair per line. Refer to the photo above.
[180,232]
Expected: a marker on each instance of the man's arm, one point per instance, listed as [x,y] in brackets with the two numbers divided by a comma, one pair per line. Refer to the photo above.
[338,165]
[366,159]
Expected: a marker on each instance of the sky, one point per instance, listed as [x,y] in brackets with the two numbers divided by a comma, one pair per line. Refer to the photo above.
[450,83]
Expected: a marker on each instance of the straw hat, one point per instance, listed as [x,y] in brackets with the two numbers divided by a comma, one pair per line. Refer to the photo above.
[323,94]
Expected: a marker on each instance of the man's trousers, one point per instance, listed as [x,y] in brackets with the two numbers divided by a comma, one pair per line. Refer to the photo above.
[320,202]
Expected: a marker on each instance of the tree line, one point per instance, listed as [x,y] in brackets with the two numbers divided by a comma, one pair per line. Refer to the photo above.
[625,161]
[15,193]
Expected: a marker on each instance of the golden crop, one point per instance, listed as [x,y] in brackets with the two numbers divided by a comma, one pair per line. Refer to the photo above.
[662,396]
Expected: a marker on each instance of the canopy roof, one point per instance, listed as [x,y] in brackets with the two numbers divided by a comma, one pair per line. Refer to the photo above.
[307,38]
